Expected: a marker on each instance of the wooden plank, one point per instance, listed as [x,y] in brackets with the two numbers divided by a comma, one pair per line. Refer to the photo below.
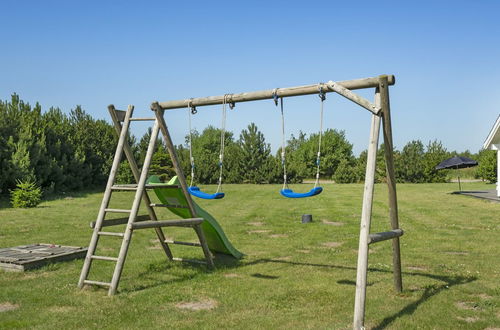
[383,236]
[366,213]
[341,90]
[119,221]
[269,94]
[391,179]
[182,243]
[190,260]
[167,223]
[27,260]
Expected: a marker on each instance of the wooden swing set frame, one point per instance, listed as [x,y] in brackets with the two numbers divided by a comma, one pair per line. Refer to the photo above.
[380,110]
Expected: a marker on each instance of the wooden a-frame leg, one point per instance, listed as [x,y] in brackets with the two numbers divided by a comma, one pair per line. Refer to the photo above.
[135,171]
[362,268]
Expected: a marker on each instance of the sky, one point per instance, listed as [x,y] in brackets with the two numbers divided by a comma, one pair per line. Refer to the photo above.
[445,56]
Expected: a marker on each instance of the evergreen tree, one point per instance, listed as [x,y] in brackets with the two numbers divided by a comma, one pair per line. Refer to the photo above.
[487,168]
[255,162]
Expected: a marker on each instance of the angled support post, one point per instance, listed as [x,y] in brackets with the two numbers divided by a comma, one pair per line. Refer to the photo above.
[182,179]
[135,171]
[391,179]
[366,214]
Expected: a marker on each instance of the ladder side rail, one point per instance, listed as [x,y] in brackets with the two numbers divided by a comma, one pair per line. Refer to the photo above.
[135,208]
[136,173]
[107,196]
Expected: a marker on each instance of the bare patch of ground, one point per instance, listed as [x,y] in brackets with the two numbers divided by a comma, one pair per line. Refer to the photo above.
[332,244]
[278,235]
[203,304]
[469,319]
[484,296]
[332,223]
[61,309]
[231,275]
[256,223]
[466,305]
[7,306]
[458,253]
[258,231]
[304,251]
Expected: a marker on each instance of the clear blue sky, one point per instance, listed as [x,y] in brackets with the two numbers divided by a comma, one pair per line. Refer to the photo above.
[445,56]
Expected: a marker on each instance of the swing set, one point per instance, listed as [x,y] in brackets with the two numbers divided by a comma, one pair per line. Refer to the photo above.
[285,191]
[380,116]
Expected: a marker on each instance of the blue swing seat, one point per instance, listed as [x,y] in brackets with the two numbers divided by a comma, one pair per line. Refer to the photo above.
[290,194]
[195,191]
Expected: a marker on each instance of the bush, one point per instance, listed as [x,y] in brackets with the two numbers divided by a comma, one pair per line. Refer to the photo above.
[487,169]
[346,173]
[27,194]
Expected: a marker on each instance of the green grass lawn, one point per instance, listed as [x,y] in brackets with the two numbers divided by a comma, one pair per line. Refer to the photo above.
[293,276]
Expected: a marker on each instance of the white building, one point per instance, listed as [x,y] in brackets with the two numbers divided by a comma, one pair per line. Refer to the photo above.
[493,143]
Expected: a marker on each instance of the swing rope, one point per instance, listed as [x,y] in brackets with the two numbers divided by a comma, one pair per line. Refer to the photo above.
[322,96]
[191,112]
[222,141]
[193,189]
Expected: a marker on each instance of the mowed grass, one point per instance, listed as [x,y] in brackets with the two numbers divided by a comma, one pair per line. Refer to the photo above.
[294,275]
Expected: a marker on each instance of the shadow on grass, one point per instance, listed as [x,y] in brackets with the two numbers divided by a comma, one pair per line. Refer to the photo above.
[221,262]
[448,282]
[226,262]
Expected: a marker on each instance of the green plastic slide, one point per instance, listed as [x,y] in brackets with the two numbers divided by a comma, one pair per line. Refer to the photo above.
[216,239]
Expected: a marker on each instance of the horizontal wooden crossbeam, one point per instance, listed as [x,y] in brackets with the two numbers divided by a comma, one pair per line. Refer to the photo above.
[281,92]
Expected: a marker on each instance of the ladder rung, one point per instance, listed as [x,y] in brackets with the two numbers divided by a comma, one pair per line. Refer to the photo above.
[142,119]
[167,223]
[104,258]
[108,233]
[147,186]
[117,210]
[119,221]
[96,283]
[124,187]
[169,205]
[190,260]
[182,243]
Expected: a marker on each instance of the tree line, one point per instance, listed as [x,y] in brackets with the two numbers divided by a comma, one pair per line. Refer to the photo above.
[62,152]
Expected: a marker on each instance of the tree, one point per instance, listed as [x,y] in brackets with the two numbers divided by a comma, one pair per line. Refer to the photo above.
[434,154]
[487,168]
[255,161]
[410,167]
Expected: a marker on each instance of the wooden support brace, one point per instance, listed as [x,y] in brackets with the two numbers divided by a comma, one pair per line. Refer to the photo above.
[167,223]
[119,221]
[341,90]
[379,237]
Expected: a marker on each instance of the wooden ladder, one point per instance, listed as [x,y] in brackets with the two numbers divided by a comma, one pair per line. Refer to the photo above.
[121,120]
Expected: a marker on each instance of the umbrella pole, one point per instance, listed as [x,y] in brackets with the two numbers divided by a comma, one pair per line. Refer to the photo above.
[459,185]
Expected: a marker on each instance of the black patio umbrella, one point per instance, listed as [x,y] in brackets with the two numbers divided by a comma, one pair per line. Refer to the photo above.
[456,163]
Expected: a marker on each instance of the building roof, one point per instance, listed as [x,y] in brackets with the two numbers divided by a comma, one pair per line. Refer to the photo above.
[494,136]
